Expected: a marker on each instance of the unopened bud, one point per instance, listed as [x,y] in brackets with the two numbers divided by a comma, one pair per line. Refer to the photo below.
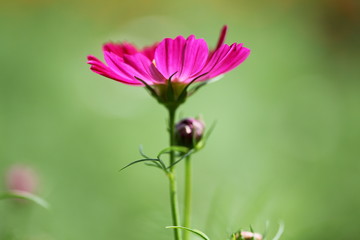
[21,178]
[188,132]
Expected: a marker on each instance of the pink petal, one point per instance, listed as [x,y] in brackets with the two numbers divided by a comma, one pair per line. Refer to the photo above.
[123,69]
[225,59]
[186,57]
[120,48]
[100,68]
[236,56]
[168,56]
[195,54]
[131,66]
[149,52]
[143,68]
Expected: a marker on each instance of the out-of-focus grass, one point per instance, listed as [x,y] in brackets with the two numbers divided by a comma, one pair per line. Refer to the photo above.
[285,146]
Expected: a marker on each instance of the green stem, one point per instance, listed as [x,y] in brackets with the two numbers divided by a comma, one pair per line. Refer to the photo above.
[172,177]
[187,198]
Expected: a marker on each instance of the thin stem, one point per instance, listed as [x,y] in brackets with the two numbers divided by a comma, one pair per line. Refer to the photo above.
[187,198]
[172,113]
[172,178]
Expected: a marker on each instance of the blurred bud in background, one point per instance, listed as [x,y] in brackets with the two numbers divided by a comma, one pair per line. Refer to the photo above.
[21,178]
[248,236]
[189,131]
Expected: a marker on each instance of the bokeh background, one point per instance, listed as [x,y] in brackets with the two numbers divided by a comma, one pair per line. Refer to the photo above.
[285,147]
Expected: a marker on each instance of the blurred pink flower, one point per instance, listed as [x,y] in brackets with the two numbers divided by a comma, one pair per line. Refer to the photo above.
[249,235]
[21,178]
[180,60]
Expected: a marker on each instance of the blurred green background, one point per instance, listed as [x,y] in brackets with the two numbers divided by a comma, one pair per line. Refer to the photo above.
[285,148]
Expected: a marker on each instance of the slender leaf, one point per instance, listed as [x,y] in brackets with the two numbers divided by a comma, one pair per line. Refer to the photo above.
[141,151]
[197,232]
[266,230]
[138,161]
[154,164]
[27,196]
[252,230]
[173,148]
[279,232]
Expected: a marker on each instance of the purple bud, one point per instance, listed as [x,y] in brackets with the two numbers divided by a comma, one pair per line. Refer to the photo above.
[21,178]
[189,131]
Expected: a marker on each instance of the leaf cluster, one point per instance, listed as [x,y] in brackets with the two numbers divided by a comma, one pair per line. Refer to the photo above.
[181,153]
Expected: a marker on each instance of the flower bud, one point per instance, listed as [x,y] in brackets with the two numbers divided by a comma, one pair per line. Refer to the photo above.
[188,132]
[248,235]
[21,178]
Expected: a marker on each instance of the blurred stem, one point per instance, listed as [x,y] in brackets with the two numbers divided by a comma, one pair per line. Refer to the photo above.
[187,198]
[172,112]
[172,178]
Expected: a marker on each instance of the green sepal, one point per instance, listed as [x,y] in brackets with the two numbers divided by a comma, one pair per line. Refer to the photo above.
[184,93]
[201,144]
[149,88]
[197,87]
[25,195]
[170,89]
[197,232]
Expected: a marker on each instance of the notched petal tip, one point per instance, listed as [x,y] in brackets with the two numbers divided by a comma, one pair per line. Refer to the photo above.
[191,37]
[120,48]
[244,52]
[91,59]
[246,49]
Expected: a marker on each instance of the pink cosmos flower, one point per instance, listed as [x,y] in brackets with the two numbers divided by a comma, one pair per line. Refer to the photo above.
[177,61]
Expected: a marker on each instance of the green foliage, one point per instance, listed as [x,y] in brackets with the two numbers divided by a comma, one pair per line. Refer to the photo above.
[182,152]
[279,232]
[25,196]
[195,231]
